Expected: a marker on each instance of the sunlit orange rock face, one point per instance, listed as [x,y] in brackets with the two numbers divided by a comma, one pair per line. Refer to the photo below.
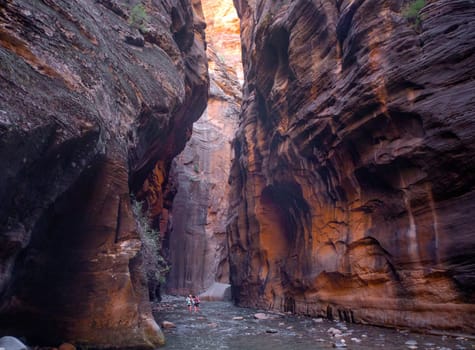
[93,101]
[196,242]
[355,163]
[222,32]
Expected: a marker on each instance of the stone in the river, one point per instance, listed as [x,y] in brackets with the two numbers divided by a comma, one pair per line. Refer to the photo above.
[317,320]
[339,344]
[356,340]
[271,331]
[12,343]
[168,325]
[411,342]
[67,346]
[261,316]
[333,331]
[238,318]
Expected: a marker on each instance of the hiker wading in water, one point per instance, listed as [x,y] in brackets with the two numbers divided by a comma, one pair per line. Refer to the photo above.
[196,303]
[189,302]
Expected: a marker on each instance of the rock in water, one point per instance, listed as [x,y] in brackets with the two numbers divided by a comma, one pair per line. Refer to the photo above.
[339,344]
[261,316]
[168,325]
[11,343]
[67,346]
[334,331]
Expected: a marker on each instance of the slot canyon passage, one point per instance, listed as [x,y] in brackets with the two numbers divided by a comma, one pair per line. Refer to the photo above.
[331,176]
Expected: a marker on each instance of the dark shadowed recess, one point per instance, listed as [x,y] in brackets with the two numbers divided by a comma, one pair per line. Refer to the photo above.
[48,275]
[293,212]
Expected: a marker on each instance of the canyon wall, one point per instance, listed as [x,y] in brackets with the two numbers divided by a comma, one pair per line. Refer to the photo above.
[95,97]
[196,244]
[353,181]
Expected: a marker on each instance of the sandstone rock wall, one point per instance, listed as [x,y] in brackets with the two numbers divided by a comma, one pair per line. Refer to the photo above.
[353,180]
[91,99]
[196,242]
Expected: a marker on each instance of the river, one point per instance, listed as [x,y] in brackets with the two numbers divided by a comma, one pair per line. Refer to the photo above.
[221,325]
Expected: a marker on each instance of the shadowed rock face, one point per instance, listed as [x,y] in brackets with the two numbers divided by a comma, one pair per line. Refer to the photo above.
[354,170]
[89,106]
[196,242]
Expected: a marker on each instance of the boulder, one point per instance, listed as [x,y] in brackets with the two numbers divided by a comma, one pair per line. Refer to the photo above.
[168,325]
[261,316]
[12,343]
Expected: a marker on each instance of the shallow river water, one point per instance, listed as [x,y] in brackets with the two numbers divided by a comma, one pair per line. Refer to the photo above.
[216,326]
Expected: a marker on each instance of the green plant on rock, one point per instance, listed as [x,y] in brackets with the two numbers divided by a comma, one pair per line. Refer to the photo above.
[138,17]
[155,266]
[412,12]
[196,168]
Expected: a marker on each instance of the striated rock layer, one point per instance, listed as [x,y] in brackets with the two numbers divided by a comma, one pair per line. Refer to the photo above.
[355,162]
[93,95]
[196,243]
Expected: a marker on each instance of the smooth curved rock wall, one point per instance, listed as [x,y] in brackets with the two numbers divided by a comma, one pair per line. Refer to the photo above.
[355,161]
[90,102]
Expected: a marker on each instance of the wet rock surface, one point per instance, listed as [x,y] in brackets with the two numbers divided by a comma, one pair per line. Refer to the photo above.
[221,325]
[353,176]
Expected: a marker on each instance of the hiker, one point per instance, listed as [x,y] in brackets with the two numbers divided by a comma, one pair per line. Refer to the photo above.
[189,302]
[196,303]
